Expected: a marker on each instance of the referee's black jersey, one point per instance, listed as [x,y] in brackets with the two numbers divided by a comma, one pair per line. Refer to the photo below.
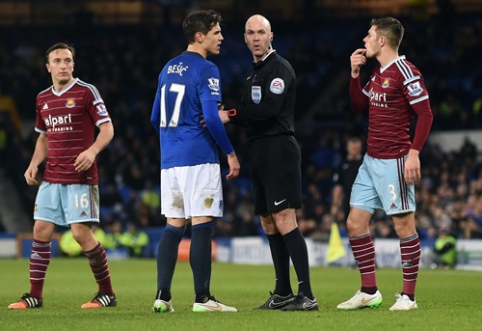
[268,101]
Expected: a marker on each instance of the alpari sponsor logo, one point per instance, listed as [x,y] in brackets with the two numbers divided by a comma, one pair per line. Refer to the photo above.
[53,121]
[177,69]
[378,99]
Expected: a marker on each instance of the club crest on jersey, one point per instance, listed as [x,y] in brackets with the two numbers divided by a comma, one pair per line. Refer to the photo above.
[256,94]
[213,85]
[277,86]
[386,83]
[101,110]
[414,89]
[70,103]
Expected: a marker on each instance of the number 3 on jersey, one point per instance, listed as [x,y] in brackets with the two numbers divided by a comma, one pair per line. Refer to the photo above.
[176,112]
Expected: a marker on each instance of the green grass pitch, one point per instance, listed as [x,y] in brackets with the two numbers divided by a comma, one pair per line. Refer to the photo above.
[448,300]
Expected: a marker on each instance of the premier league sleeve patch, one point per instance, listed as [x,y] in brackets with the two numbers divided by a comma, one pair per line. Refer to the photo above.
[414,89]
[277,86]
[213,84]
[101,110]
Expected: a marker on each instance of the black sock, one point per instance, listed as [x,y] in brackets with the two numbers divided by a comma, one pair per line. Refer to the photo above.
[369,290]
[411,296]
[166,260]
[281,261]
[299,255]
[200,259]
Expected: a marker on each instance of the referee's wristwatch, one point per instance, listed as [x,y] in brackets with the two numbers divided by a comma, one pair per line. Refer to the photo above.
[232,112]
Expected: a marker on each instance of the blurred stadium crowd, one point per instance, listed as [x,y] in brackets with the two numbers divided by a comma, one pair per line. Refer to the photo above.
[123,62]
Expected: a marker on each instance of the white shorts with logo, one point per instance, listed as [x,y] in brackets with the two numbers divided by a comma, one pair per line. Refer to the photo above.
[65,204]
[192,191]
[380,184]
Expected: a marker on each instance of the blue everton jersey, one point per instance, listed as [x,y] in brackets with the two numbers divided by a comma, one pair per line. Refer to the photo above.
[184,84]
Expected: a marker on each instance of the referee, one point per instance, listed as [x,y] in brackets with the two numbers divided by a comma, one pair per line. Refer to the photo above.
[267,112]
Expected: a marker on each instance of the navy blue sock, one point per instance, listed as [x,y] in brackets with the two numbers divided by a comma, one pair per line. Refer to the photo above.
[200,259]
[166,260]
[281,261]
[299,255]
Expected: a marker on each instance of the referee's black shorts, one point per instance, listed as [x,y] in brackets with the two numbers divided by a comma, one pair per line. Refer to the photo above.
[276,174]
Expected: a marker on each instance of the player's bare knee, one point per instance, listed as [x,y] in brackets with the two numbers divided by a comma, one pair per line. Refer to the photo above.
[43,230]
[356,227]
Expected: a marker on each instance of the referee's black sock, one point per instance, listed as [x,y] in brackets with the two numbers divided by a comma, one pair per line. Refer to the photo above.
[299,255]
[166,259]
[200,259]
[281,261]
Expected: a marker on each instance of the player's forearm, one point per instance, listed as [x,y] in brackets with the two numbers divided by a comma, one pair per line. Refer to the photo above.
[337,195]
[103,138]
[41,149]
[216,127]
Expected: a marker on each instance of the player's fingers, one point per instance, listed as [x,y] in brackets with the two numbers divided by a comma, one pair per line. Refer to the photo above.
[417,176]
[408,177]
[31,181]
[359,51]
[82,166]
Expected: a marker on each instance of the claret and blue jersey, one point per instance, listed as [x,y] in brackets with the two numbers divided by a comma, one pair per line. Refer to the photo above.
[185,83]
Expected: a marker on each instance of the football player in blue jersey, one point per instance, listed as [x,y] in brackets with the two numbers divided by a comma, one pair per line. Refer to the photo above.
[189,89]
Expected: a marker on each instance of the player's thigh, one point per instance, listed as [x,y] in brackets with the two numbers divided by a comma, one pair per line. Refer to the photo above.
[172,201]
[193,191]
[80,203]
[278,167]
[395,195]
[202,190]
[259,195]
[48,205]
[364,194]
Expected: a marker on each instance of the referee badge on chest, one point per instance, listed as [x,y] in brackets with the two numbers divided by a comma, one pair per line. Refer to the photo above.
[256,94]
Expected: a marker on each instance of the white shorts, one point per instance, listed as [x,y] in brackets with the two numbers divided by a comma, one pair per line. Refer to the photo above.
[192,191]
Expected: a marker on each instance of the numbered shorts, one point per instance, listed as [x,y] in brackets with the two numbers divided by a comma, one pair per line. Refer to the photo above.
[192,191]
[65,204]
[380,184]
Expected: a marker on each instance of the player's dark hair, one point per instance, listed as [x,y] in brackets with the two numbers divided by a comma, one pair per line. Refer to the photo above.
[59,46]
[200,21]
[390,28]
